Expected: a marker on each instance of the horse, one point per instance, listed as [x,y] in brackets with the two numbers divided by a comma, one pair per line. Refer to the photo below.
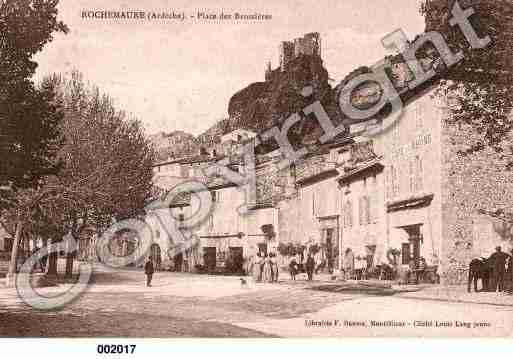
[479,268]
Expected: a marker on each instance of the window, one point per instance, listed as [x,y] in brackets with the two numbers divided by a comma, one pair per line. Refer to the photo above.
[211,222]
[367,216]
[394,182]
[313,203]
[395,134]
[416,174]
[216,196]
[348,214]
[184,169]
[405,253]
[333,157]
[364,210]
[412,175]
[419,174]
[419,122]
[361,211]
[373,201]
[388,184]
[292,170]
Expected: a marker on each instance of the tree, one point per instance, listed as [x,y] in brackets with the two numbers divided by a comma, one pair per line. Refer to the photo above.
[106,170]
[29,118]
[106,153]
[480,87]
[41,211]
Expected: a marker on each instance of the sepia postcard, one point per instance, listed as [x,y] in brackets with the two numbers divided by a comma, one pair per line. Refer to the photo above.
[256,169]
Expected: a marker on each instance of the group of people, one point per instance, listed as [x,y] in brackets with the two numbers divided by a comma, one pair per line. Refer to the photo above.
[353,267]
[498,271]
[264,268]
[41,261]
[295,268]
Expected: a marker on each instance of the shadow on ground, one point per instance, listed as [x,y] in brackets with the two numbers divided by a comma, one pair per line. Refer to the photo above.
[364,288]
[56,324]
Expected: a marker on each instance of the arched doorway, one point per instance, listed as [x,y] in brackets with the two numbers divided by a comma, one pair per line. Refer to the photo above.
[156,256]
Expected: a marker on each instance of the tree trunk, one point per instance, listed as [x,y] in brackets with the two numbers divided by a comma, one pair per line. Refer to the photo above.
[9,279]
[69,264]
[52,264]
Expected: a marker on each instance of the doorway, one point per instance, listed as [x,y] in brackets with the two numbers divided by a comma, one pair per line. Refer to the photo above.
[411,249]
[236,259]
[328,235]
[178,261]
[209,258]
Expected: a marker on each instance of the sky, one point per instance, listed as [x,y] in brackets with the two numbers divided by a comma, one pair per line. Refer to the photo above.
[180,75]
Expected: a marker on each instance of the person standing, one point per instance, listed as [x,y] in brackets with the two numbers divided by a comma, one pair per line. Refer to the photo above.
[499,268]
[267,275]
[271,268]
[421,270]
[509,274]
[256,268]
[44,260]
[310,266]
[274,267]
[349,264]
[149,270]
[293,268]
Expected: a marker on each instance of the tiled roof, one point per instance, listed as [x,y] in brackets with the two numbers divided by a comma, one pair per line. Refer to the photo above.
[349,174]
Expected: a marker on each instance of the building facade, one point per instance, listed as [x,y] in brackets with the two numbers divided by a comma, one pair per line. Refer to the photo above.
[411,190]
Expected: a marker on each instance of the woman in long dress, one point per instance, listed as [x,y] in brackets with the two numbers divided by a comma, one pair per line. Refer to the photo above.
[267,269]
[256,268]
[274,267]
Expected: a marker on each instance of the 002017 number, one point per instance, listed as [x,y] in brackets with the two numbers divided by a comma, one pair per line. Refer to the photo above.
[115,349]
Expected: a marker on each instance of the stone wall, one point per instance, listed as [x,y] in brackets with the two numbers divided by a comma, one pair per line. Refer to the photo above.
[472,182]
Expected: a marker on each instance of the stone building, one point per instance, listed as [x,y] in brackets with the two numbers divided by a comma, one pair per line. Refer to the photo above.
[415,188]
[391,189]
[5,242]
[421,193]
[411,188]
[226,234]
[309,44]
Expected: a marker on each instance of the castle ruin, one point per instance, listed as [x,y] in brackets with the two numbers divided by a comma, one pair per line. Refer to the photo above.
[309,44]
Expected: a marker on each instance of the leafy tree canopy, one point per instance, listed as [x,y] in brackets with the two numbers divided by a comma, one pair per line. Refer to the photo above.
[29,115]
[481,86]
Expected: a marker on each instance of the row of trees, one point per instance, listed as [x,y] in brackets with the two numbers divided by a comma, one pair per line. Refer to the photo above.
[71,161]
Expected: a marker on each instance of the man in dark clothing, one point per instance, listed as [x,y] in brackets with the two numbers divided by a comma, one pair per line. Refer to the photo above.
[310,266]
[149,270]
[508,286]
[42,262]
[498,259]
[293,269]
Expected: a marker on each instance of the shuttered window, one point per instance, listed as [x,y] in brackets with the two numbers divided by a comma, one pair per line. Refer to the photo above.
[405,253]
[419,174]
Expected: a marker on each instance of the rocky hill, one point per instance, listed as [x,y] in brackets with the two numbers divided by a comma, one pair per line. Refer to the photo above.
[262,105]
[174,144]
